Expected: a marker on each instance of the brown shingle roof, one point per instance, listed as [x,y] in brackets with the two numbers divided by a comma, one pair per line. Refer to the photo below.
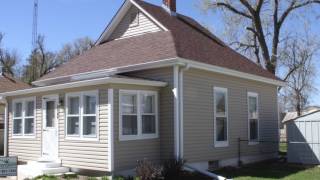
[8,83]
[186,39]
[194,42]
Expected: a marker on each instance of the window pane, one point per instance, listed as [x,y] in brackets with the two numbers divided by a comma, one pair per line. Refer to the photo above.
[253,129]
[89,104]
[50,113]
[253,111]
[28,125]
[129,104]
[220,103]
[73,126]
[89,125]
[221,129]
[129,125]
[18,110]
[148,104]
[148,124]
[17,126]
[73,105]
[29,108]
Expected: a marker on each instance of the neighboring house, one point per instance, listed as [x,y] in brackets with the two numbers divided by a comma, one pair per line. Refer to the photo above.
[7,83]
[156,86]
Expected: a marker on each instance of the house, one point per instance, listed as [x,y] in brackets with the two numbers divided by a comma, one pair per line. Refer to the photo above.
[7,83]
[157,85]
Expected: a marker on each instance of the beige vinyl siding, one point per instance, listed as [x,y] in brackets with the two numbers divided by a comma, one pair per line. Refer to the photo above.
[198,116]
[27,149]
[127,29]
[166,114]
[83,154]
[127,153]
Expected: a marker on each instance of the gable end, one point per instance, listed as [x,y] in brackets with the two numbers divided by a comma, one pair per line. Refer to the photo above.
[134,23]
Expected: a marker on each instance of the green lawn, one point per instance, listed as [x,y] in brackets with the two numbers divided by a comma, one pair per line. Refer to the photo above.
[271,170]
[283,147]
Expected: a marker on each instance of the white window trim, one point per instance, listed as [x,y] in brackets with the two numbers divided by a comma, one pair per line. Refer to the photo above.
[23,117]
[220,143]
[256,141]
[139,136]
[80,136]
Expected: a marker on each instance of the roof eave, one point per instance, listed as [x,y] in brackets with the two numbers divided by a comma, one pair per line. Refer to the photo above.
[231,72]
[92,82]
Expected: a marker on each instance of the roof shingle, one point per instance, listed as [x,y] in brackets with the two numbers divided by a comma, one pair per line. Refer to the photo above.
[8,83]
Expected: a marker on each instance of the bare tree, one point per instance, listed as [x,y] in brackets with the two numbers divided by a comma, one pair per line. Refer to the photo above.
[40,62]
[8,59]
[299,54]
[264,21]
[76,48]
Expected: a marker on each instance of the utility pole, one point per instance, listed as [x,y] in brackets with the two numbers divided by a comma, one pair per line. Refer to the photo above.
[35,24]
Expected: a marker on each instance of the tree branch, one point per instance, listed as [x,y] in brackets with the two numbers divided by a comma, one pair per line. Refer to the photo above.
[294,6]
[232,9]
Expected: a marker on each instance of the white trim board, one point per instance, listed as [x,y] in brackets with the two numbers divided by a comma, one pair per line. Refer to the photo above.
[99,81]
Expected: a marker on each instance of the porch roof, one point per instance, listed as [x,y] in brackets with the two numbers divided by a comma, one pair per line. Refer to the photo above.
[90,82]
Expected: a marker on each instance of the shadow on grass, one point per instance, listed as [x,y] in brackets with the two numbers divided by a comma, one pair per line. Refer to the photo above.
[266,170]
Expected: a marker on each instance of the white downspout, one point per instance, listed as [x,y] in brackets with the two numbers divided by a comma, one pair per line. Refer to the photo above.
[176,111]
[181,109]
[178,71]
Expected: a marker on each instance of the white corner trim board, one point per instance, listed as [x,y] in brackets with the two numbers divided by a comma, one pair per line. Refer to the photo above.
[111,135]
[99,81]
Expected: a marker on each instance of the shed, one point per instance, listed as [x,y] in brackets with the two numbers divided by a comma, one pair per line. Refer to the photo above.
[303,135]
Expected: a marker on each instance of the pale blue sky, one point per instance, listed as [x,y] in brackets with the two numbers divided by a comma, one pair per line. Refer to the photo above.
[62,21]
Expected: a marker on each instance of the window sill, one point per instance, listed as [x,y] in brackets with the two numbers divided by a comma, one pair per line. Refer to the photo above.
[251,143]
[136,138]
[23,136]
[70,138]
[221,144]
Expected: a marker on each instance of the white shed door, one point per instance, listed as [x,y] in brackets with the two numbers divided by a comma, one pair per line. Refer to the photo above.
[50,128]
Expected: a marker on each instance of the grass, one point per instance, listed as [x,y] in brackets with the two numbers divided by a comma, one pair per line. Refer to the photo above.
[271,170]
[283,147]
[45,177]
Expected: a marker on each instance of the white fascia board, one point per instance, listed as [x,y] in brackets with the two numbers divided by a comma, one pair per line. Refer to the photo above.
[230,72]
[106,80]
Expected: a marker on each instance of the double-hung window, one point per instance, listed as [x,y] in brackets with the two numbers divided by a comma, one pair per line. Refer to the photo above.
[23,117]
[138,114]
[220,117]
[81,114]
[253,118]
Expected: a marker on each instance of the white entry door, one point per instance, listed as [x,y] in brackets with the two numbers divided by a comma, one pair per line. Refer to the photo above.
[50,128]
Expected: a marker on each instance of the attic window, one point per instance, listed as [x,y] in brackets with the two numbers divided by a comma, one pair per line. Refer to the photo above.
[134,19]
